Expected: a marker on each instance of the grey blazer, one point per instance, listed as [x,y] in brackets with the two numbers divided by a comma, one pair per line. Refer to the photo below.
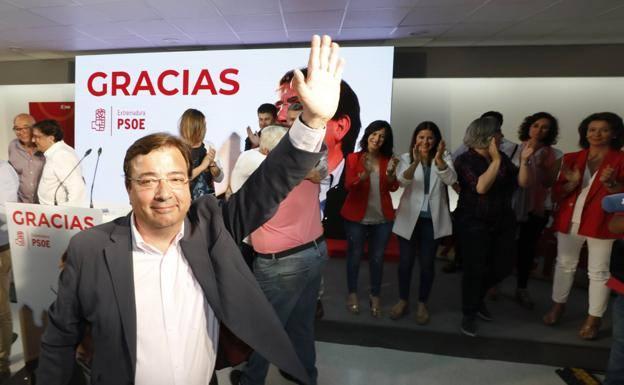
[96,285]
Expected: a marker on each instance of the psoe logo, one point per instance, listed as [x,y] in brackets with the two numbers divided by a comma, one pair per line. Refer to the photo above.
[19,239]
[99,124]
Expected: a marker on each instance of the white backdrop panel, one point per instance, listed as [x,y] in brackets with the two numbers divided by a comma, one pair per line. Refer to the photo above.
[369,72]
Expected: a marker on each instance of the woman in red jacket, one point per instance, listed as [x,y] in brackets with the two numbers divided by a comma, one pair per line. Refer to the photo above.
[370,176]
[586,177]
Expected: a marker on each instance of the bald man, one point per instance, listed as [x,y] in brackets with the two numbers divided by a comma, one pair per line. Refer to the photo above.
[25,159]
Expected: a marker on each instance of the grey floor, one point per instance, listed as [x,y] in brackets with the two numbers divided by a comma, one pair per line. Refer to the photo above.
[357,365]
[357,360]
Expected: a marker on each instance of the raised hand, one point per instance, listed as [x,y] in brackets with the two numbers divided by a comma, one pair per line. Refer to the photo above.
[368,167]
[607,177]
[416,153]
[253,138]
[572,175]
[493,150]
[392,165]
[527,151]
[440,151]
[319,92]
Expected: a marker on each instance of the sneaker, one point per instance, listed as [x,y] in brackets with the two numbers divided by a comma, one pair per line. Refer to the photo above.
[524,299]
[484,313]
[235,376]
[469,326]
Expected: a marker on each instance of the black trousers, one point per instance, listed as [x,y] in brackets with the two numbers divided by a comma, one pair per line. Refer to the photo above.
[529,235]
[488,251]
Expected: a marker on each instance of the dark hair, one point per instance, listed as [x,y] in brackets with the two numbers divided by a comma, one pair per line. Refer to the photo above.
[388,144]
[426,125]
[50,127]
[268,108]
[152,142]
[496,115]
[553,127]
[613,120]
[348,105]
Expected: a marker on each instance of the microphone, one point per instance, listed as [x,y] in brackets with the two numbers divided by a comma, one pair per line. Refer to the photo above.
[613,203]
[72,170]
[94,174]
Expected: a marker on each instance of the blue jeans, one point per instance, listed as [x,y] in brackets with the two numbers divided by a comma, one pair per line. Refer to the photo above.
[615,370]
[423,241]
[291,284]
[378,236]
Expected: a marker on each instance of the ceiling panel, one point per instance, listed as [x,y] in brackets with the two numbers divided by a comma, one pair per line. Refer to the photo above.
[197,26]
[246,7]
[438,15]
[313,20]
[373,4]
[509,10]
[71,14]
[23,19]
[260,37]
[365,33]
[132,10]
[41,34]
[431,30]
[182,8]
[261,22]
[151,27]
[26,4]
[530,29]
[313,5]
[574,10]
[105,31]
[474,30]
[50,25]
[298,36]
[375,18]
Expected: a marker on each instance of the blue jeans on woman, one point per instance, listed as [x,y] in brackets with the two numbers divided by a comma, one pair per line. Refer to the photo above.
[615,370]
[377,236]
[423,241]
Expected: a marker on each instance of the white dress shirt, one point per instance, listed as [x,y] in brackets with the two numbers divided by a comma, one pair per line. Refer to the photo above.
[177,331]
[60,160]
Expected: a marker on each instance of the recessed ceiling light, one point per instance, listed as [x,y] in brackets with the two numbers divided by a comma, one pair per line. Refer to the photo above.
[170,40]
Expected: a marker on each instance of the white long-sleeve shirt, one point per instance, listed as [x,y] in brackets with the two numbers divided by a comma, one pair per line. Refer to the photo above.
[60,160]
[177,331]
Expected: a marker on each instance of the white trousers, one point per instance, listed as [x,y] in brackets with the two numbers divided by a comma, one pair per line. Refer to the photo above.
[599,255]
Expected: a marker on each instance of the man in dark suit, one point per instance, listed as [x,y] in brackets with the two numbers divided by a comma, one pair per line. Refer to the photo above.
[165,291]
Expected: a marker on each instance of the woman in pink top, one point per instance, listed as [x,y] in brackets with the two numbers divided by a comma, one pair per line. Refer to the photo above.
[540,131]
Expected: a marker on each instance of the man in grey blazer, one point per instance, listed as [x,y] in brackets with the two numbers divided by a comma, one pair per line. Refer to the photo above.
[164,290]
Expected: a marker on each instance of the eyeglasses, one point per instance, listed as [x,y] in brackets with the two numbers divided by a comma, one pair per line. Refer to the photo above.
[150,183]
[19,129]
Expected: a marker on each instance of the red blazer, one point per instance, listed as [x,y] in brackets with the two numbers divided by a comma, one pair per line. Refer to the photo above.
[354,207]
[594,220]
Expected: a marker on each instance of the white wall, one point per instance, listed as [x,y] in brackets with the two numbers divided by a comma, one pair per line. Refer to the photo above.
[454,103]
[15,99]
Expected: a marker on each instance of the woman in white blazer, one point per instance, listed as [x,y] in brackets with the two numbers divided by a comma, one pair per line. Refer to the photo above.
[423,216]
